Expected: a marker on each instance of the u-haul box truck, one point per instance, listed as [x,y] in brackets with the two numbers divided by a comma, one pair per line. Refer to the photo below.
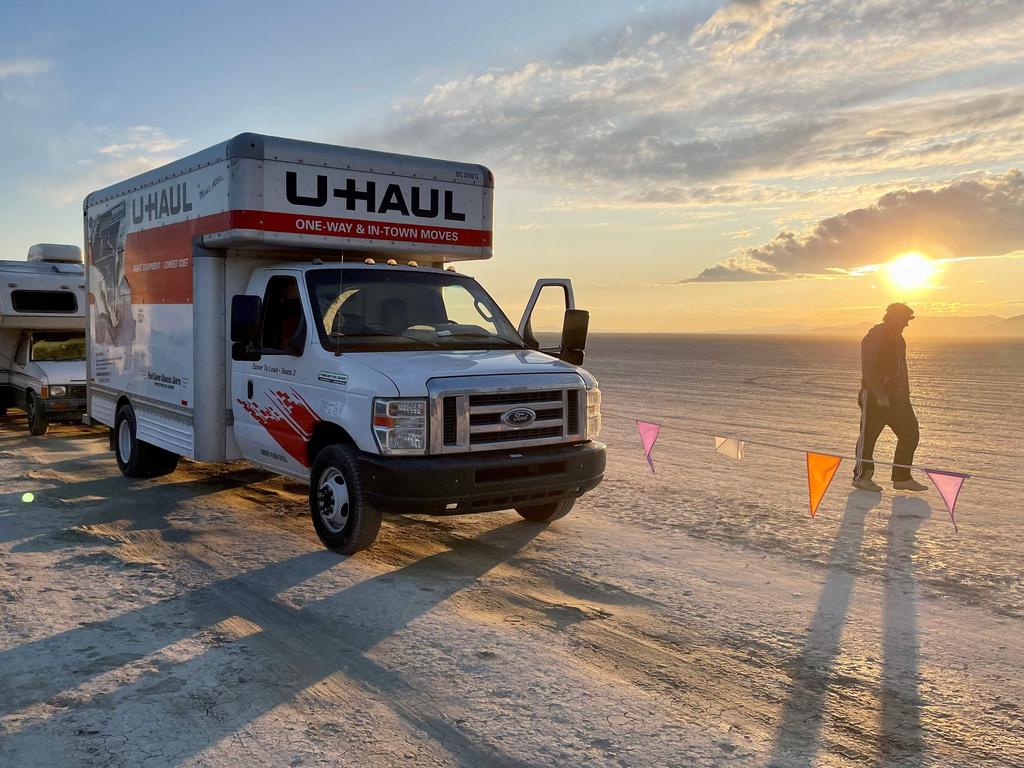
[42,335]
[288,303]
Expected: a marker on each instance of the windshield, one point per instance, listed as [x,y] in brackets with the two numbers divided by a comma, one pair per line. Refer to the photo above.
[362,310]
[52,347]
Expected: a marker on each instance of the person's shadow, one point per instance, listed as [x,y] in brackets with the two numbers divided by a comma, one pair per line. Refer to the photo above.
[900,739]
[796,742]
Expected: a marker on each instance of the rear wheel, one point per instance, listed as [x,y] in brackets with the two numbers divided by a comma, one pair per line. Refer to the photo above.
[38,422]
[136,458]
[547,513]
[342,516]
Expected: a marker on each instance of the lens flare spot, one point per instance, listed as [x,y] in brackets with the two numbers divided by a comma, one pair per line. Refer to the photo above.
[28,498]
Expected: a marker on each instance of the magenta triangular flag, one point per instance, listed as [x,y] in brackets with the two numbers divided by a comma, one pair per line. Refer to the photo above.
[648,436]
[948,485]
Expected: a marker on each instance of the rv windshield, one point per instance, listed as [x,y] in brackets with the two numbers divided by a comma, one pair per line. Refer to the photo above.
[53,347]
[367,309]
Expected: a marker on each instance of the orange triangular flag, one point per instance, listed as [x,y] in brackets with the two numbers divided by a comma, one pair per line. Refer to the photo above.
[821,468]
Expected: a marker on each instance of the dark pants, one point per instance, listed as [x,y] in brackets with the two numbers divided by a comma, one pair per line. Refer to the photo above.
[899,416]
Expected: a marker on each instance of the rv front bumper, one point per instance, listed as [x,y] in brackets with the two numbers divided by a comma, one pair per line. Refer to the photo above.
[482,482]
[61,408]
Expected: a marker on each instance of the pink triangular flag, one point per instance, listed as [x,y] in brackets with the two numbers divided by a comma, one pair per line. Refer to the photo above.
[648,436]
[948,485]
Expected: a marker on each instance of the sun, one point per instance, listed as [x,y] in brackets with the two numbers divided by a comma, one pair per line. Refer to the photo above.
[910,271]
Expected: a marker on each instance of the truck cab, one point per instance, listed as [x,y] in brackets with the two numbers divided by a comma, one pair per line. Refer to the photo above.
[42,336]
[446,408]
[297,305]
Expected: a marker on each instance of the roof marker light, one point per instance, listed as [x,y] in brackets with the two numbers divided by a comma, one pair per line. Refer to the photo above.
[413,264]
[392,263]
[369,261]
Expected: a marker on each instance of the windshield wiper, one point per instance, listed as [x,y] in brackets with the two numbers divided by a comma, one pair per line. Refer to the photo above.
[480,335]
[339,339]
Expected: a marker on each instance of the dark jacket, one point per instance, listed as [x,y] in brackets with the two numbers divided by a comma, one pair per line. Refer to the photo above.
[883,360]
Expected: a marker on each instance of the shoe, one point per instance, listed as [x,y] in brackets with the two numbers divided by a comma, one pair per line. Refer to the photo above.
[909,485]
[867,484]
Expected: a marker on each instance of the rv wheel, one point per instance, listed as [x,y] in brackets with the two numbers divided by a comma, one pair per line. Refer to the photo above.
[38,422]
[342,517]
[135,458]
[547,513]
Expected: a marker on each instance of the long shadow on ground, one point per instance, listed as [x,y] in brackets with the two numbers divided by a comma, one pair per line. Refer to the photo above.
[301,645]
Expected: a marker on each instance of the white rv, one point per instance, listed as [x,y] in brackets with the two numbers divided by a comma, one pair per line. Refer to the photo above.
[289,303]
[42,335]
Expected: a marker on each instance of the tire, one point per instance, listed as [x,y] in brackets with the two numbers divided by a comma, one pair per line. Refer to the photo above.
[38,422]
[548,513]
[135,458]
[342,515]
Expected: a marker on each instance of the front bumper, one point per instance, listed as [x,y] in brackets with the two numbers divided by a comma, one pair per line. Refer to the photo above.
[63,408]
[481,482]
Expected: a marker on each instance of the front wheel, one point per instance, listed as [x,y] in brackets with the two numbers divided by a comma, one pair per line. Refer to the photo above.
[547,513]
[342,516]
[38,422]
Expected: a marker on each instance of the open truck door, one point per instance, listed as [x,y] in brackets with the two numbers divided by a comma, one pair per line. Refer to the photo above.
[575,322]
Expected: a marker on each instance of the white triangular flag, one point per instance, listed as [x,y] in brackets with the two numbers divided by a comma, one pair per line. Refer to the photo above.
[728,446]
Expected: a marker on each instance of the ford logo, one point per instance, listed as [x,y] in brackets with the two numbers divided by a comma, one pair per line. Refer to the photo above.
[519,417]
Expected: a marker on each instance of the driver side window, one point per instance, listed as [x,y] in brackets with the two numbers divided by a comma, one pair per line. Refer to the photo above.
[284,324]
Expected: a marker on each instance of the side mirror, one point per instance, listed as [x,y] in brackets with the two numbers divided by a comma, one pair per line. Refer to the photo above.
[246,313]
[245,318]
[574,336]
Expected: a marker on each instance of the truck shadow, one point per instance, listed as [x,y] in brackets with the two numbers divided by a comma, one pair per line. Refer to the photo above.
[145,503]
[796,742]
[296,647]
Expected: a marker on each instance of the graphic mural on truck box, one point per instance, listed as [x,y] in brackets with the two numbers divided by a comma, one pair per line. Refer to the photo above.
[139,261]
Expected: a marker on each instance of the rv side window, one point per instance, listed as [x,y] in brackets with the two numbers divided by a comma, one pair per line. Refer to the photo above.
[44,302]
[284,327]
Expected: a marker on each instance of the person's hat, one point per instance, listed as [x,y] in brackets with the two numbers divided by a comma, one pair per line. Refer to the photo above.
[900,310]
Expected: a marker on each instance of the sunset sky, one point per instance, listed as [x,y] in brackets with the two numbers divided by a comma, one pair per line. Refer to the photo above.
[693,166]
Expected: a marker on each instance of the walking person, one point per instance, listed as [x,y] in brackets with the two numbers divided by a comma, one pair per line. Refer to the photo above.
[885,401]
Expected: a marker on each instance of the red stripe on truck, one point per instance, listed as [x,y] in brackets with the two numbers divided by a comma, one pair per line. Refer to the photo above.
[158,261]
[330,226]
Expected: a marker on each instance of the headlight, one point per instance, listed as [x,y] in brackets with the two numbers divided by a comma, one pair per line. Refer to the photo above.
[58,391]
[400,426]
[593,413]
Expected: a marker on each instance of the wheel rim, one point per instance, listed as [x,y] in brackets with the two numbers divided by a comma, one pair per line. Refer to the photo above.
[124,441]
[332,500]
[31,410]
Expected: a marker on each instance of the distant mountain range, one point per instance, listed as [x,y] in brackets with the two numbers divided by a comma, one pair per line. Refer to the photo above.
[955,326]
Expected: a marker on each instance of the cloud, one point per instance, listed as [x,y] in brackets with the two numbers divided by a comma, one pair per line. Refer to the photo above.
[969,218]
[24,67]
[93,158]
[757,97]
[141,140]
[736,271]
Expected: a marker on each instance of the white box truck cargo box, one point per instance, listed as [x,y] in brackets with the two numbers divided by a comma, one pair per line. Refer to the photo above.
[217,245]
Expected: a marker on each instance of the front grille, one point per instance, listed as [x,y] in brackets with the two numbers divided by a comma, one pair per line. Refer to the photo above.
[77,391]
[474,419]
[450,421]
[572,412]
[515,398]
[486,412]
